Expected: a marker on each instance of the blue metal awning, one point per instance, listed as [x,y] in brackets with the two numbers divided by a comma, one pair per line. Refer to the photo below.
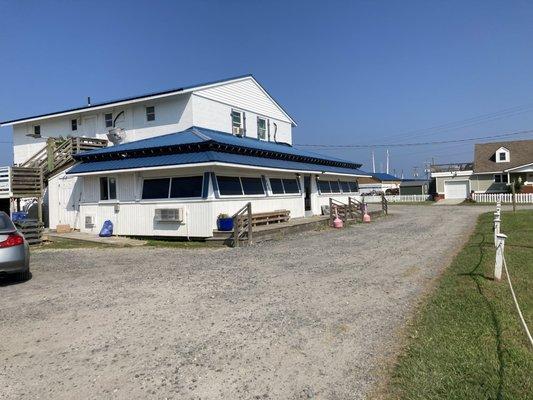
[204,157]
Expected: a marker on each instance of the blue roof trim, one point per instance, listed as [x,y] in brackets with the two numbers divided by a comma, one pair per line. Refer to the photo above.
[205,157]
[202,139]
[385,177]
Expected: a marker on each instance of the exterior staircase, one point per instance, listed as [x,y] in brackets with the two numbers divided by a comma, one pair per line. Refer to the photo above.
[58,154]
[30,178]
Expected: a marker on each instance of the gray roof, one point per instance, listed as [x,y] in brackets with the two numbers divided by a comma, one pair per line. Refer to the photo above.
[521,153]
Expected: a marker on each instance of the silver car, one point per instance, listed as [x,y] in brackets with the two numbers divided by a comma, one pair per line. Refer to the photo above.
[14,250]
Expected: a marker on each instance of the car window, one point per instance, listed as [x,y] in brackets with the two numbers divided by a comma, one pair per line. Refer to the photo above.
[5,222]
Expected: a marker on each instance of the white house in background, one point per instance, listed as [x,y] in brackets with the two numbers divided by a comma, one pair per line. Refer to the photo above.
[381,182]
[495,166]
[198,151]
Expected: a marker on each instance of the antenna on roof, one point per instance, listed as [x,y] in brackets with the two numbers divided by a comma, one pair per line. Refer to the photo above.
[88,101]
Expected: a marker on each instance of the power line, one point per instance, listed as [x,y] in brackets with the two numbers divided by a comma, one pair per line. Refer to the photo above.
[416,143]
[464,123]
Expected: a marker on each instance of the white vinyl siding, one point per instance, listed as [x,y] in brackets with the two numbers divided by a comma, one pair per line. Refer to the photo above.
[246,95]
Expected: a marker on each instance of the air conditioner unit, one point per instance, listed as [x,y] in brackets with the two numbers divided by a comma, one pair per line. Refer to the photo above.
[237,131]
[89,221]
[116,135]
[168,214]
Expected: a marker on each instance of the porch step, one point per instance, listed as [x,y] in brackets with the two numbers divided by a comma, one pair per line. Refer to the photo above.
[274,231]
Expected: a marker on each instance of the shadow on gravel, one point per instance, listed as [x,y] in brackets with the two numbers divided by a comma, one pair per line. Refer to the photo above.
[9,280]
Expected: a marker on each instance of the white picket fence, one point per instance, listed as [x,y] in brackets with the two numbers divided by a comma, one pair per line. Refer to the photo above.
[404,198]
[521,198]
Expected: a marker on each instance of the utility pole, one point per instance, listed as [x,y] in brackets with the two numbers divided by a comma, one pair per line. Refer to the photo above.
[387,161]
[373,163]
[402,175]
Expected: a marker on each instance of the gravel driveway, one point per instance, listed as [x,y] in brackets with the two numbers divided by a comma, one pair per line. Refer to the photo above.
[312,317]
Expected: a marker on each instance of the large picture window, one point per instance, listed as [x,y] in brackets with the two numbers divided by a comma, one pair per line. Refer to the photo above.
[156,188]
[235,186]
[108,188]
[324,187]
[189,186]
[337,186]
[284,186]
[173,188]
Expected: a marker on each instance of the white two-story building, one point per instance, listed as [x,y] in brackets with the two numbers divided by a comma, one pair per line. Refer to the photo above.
[192,153]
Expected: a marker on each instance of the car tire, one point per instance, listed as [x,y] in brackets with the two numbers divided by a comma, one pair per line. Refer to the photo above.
[24,276]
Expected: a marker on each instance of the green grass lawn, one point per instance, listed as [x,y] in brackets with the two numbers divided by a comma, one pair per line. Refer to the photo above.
[467,341]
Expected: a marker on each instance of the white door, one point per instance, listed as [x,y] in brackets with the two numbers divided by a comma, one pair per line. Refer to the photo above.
[456,190]
[89,126]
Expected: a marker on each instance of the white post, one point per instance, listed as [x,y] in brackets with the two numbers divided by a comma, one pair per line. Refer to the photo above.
[500,237]
[497,222]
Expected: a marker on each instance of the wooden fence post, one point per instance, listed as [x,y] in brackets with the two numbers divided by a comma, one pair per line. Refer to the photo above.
[249,212]
[499,256]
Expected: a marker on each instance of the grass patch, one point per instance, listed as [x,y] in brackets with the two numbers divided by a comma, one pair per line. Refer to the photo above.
[61,243]
[467,341]
[179,244]
[411,203]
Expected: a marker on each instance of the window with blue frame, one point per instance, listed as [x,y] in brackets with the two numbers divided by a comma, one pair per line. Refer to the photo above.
[284,186]
[237,186]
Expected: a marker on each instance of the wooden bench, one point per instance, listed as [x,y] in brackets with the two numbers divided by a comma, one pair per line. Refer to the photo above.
[271,217]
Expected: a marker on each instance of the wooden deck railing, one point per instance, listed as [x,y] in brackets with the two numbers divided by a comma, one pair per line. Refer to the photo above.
[58,153]
[356,208]
[337,208]
[242,225]
[384,205]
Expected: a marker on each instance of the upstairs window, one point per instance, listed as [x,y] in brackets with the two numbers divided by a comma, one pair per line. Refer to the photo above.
[37,130]
[108,188]
[235,186]
[74,124]
[503,155]
[262,128]
[237,122]
[150,113]
[108,118]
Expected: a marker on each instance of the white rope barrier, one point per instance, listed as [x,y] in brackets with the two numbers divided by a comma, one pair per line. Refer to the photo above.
[499,242]
[516,303]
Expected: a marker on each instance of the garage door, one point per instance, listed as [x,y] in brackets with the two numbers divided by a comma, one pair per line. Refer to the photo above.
[456,190]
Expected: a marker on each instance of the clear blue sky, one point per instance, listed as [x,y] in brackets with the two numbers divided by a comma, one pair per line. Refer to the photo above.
[349,72]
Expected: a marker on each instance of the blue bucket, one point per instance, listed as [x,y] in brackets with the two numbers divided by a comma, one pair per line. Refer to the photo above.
[19,216]
[225,224]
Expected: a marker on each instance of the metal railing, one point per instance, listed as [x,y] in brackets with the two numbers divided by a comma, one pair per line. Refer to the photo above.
[451,167]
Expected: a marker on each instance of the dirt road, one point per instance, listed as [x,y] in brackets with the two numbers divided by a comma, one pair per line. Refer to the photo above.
[312,317]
